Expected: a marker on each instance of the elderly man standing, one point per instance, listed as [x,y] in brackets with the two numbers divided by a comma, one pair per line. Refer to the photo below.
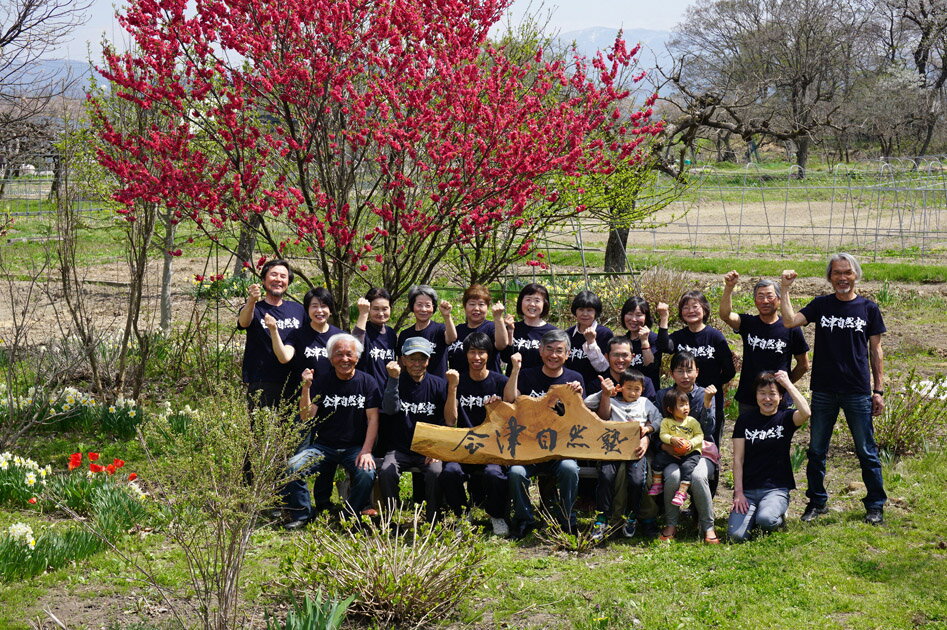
[847,374]
[344,405]
[265,377]
[554,347]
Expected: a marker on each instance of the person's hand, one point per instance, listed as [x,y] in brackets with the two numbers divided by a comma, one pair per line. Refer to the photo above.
[643,333]
[782,378]
[664,312]
[576,386]
[393,368]
[365,461]
[785,280]
[508,321]
[254,293]
[430,460]
[307,377]
[453,377]
[491,399]
[363,306]
[730,279]
[516,361]
[643,445]
[498,310]
[709,392]
[608,386]
[877,404]
[444,307]
[679,443]
[270,322]
[589,334]
[740,504]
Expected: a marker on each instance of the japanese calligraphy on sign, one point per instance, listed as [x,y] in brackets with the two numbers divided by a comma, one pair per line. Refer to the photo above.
[530,431]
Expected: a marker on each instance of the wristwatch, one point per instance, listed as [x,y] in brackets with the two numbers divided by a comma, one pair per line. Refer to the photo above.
[880,392]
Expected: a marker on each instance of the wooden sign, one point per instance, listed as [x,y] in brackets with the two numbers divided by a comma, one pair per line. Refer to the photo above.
[533,430]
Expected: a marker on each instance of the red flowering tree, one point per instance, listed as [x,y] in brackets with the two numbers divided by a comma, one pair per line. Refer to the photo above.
[361,134]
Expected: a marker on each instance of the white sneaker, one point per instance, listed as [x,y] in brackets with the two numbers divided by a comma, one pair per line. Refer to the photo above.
[599,531]
[500,528]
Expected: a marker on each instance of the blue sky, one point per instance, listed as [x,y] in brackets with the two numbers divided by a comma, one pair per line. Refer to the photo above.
[567,15]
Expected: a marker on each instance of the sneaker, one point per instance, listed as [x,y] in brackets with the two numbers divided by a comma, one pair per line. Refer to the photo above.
[630,527]
[369,512]
[649,527]
[599,530]
[813,512]
[656,489]
[875,516]
[679,497]
[500,528]
[296,524]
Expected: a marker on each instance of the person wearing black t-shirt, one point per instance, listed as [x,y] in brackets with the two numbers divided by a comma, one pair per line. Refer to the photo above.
[847,374]
[488,483]
[267,379]
[305,347]
[476,301]
[413,395]
[589,340]
[379,339]
[708,345]
[553,351]
[343,404]
[422,300]
[762,470]
[768,346]
[524,336]
[648,348]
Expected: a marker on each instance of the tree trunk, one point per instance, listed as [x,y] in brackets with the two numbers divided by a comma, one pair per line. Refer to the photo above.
[246,245]
[802,155]
[615,250]
[166,269]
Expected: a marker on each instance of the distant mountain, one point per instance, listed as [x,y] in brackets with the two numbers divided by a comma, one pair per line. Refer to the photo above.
[590,40]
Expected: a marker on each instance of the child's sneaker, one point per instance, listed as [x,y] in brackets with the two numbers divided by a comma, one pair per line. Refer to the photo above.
[599,530]
[679,497]
[656,488]
[630,527]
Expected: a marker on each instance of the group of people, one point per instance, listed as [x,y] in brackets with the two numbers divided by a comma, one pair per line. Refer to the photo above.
[362,394]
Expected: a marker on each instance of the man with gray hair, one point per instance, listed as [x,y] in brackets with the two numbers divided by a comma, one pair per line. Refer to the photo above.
[768,346]
[343,405]
[847,374]
[554,347]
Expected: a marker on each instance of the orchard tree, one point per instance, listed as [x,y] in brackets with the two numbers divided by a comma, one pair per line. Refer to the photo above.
[377,138]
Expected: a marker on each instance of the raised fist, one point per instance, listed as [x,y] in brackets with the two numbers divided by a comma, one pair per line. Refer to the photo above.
[709,392]
[590,336]
[663,312]
[731,278]
[782,378]
[307,377]
[516,360]
[393,368]
[254,292]
[643,333]
[363,306]
[785,281]
[498,309]
[444,307]
[453,377]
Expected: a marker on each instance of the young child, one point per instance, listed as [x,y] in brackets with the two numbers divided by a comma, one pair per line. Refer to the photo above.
[684,434]
[623,403]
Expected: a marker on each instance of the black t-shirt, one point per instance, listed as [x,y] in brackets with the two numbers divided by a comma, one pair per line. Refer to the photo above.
[653,369]
[766,347]
[534,382]
[457,359]
[842,329]
[260,364]
[471,395]
[766,462]
[419,402]
[341,421]
[709,347]
[580,363]
[526,341]
[379,350]
[310,347]
[434,332]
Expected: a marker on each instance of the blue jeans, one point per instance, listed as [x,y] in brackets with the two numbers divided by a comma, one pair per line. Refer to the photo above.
[318,459]
[567,481]
[857,408]
[766,510]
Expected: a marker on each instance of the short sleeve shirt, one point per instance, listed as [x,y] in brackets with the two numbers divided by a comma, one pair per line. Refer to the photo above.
[433,332]
[766,347]
[420,402]
[526,342]
[766,462]
[310,348]
[457,360]
[341,421]
[533,382]
[580,363]
[842,329]
[472,396]
[259,361]
[379,350]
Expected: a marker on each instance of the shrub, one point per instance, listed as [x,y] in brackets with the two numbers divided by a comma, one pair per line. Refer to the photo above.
[313,613]
[554,534]
[401,575]
[914,417]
